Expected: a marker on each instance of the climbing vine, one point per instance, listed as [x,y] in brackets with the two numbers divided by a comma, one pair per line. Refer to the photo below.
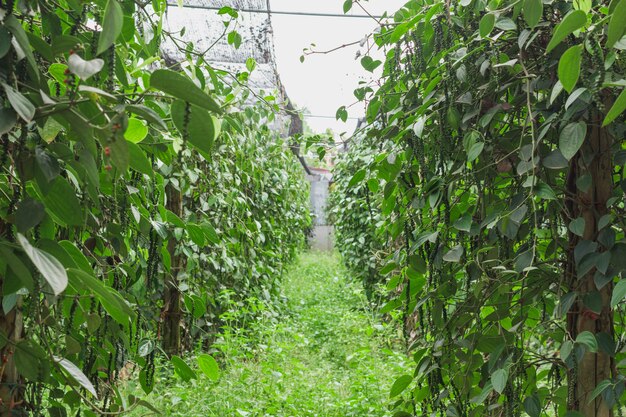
[354,208]
[134,193]
[504,197]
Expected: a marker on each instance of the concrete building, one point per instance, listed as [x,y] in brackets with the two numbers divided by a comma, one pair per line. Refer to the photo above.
[322,238]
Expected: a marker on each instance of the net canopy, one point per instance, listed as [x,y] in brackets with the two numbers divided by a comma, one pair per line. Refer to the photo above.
[204,28]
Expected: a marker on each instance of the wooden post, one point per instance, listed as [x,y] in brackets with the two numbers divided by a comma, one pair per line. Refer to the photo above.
[595,160]
[11,389]
[172,311]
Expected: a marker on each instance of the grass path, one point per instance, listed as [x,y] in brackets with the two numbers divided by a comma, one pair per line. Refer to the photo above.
[324,354]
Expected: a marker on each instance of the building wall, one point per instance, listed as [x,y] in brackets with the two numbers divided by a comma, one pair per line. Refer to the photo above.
[322,238]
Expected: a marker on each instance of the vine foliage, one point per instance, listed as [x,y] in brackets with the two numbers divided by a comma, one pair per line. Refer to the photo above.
[504,195]
[134,194]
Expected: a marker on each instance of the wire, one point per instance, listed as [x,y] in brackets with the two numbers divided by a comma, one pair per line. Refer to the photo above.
[282,12]
[315,116]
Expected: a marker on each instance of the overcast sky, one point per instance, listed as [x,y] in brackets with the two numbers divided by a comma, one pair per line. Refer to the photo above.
[323,83]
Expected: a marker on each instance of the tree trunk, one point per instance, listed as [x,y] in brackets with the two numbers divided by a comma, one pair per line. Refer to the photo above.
[594,159]
[172,312]
[11,390]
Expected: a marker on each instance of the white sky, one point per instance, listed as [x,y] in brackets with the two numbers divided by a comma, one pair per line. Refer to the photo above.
[323,83]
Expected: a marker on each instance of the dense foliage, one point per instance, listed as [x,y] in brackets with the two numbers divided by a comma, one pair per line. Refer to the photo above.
[504,191]
[354,209]
[320,353]
[137,202]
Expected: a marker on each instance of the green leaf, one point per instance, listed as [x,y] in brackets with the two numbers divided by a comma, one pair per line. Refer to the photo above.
[210,233]
[250,64]
[358,177]
[573,21]
[454,254]
[112,302]
[619,292]
[208,365]
[588,339]
[400,385]
[20,276]
[580,92]
[49,267]
[555,160]
[369,63]
[147,384]
[504,23]
[565,304]
[342,114]
[202,129]
[138,159]
[64,43]
[196,234]
[146,346]
[499,379]
[475,150]
[30,213]
[15,27]
[84,69]
[8,118]
[50,130]
[31,361]
[566,349]
[486,25]
[234,38]
[606,343]
[76,255]
[584,5]
[577,226]
[532,406]
[120,156]
[603,385]
[5,41]
[47,164]
[482,397]
[617,24]
[182,369]
[147,114]
[347,5]
[77,375]
[533,10]
[616,109]
[464,223]
[571,139]
[199,307]
[136,130]
[181,87]
[569,67]
[545,192]
[21,104]
[112,24]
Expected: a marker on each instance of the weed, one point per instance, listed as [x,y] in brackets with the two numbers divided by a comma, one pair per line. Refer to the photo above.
[322,352]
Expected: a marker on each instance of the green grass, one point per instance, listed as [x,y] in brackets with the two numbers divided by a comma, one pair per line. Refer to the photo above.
[324,354]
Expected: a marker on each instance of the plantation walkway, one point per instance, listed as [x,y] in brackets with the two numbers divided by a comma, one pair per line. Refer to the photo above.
[324,355]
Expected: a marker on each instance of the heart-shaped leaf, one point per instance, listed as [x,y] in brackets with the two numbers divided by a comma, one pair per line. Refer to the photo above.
[571,139]
[84,69]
